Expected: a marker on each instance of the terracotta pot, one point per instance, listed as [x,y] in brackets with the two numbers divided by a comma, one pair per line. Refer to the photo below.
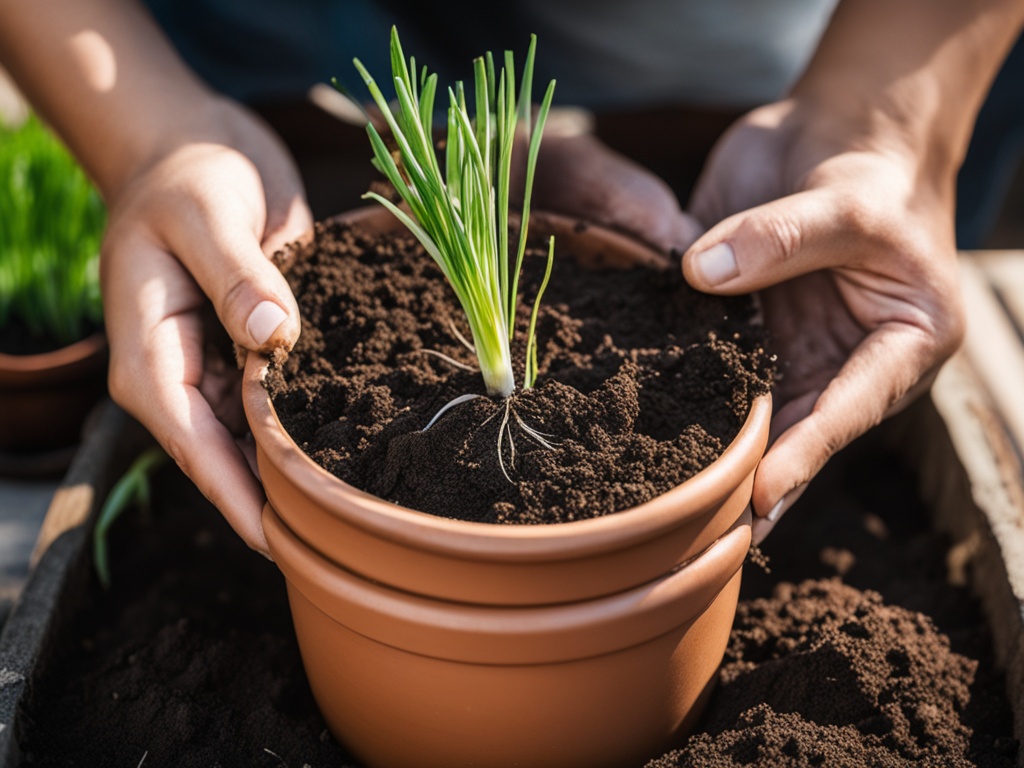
[404,680]
[512,565]
[47,396]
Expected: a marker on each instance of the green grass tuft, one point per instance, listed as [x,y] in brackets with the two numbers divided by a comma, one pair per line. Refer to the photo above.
[51,225]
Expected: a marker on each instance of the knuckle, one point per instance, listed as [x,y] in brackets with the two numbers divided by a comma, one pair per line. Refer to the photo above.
[239,295]
[830,442]
[860,215]
[784,236]
[950,328]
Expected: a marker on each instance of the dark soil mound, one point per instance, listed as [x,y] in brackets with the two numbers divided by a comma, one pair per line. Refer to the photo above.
[874,684]
[877,661]
[642,384]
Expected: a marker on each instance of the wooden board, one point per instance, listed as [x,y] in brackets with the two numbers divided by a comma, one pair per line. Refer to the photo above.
[972,466]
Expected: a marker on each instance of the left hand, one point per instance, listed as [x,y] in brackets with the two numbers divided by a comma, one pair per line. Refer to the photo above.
[849,237]
[580,176]
[197,225]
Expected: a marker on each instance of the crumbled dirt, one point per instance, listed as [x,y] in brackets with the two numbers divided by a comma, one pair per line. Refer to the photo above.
[642,383]
[881,684]
[876,661]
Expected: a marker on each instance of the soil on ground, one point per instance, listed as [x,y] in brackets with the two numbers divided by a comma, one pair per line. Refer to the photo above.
[642,383]
[855,651]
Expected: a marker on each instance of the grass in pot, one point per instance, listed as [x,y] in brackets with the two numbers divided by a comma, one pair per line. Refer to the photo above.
[52,349]
[478,571]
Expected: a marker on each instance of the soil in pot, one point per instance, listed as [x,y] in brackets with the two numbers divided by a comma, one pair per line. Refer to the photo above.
[190,660]
[642,383]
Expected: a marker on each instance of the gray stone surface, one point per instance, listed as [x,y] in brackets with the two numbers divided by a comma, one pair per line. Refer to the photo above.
[62,573]
[23,506]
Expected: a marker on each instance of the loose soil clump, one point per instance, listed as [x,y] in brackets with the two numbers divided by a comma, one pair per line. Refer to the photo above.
[642,383]
[876,660]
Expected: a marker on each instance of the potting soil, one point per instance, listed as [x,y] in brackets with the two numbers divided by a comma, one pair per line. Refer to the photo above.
[854,651]
[642,383]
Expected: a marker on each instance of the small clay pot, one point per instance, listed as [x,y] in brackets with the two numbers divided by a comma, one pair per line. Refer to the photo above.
[503,564]
[47,396]
[404,680]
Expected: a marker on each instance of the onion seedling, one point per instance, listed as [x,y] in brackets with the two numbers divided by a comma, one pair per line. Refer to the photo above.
[459,211]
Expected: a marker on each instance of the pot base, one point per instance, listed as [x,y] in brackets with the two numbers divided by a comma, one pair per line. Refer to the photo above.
[447,714]
[407,681]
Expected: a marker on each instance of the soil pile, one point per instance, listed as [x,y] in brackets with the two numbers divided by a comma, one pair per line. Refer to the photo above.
[642,383]
[876,661]
[873,684]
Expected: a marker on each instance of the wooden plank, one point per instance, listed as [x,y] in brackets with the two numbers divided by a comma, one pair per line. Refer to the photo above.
[994,349]
[1005,273]
[112,439]
[971,480]
[970,462]
[92,473]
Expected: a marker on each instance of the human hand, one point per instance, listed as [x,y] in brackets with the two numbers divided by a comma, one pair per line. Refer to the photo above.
[582,177]
[200,220]
[847,232]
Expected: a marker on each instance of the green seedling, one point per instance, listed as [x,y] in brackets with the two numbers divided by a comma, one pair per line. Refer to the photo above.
[133,489]
[51,225]
[459,210]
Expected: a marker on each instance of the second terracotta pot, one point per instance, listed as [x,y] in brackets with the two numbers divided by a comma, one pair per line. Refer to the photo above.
[404,680]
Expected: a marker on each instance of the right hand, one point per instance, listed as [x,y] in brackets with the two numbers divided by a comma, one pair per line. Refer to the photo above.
[198,222]
[845,227]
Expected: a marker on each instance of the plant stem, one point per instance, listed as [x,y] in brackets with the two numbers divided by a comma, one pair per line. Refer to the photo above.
[461,218]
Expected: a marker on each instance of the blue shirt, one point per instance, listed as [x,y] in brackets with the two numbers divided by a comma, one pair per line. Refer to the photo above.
[604,53]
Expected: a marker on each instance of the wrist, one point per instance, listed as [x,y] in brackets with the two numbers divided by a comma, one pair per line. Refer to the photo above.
[905,124]
[909,76]
[208,119]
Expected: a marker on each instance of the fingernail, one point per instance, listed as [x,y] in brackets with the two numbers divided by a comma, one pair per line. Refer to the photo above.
[762,526]
[759,529]
[776,512]
[717,264]
[264,320]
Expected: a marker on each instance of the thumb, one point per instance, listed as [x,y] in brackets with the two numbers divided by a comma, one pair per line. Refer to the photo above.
[766,245]
[250,295]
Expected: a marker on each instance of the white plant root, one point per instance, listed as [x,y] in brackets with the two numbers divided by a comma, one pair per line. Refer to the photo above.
[450,360]
[462,339]
[504,429]
[449,405]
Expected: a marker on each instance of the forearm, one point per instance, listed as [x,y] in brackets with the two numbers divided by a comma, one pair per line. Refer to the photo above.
[912,73]
[105,77]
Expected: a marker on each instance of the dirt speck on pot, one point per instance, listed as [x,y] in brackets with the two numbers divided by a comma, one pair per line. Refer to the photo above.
[642,382]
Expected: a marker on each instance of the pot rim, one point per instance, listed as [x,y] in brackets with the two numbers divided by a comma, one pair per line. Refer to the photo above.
[476,540]
[503,634]
[26,369]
